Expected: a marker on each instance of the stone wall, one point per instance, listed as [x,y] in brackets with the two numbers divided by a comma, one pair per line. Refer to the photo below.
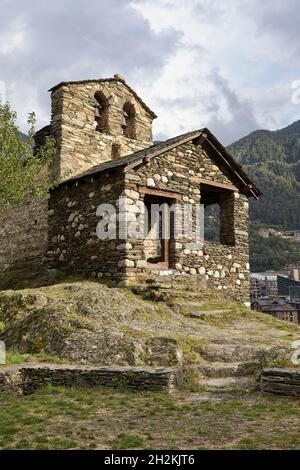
[281,381]
[71,221]
[11,380]
[73,243]
[225,264]
[80,145]
[28,378]
[23,234]
[23,229]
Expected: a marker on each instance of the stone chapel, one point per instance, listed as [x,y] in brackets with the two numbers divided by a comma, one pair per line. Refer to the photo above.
[105,151]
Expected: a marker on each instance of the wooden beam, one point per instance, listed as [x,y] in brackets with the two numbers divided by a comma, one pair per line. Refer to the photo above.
[216,184]
[246,186]
[200,139]
[160,193]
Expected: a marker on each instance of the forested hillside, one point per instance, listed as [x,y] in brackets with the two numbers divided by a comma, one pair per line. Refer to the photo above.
[272,160]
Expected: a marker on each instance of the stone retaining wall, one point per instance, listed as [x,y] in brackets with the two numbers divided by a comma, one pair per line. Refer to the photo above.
[281,381]
[27,378]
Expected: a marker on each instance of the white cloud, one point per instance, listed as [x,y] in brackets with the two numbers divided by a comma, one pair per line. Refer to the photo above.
[236,43]
[13,38]
[43,43]
[226,65]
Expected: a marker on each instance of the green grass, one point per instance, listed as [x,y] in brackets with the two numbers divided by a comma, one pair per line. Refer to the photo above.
[14,357]
[126,441]
[98,418]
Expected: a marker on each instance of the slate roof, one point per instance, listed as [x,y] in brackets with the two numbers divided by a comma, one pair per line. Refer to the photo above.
[99,80]
[162,147]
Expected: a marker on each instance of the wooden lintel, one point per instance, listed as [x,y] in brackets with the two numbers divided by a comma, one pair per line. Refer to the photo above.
[228,186]
[132,165]
[200,139]
[245,185]
[160,193]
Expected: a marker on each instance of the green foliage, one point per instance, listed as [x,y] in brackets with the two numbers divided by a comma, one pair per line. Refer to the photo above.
[13,357]
[271,253]
[126,441]
[212,223]
[190,380]
[22,170]
[272,160]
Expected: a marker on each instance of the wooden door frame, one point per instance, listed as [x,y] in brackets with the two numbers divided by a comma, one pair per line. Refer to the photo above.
[165,196]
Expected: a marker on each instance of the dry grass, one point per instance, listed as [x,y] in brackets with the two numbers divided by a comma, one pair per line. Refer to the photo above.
[58,418]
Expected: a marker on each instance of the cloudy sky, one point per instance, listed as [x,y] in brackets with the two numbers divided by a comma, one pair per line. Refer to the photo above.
[229,66]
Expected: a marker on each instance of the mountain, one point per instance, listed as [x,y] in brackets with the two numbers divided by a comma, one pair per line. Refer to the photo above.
[272,160]
[23,136]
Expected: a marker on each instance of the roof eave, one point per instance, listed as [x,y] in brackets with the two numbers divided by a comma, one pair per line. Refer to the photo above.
[199,136]
[206,135]
[248,185]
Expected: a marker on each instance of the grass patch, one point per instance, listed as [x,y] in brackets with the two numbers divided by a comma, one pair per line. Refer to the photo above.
[14,357]
[99,418]
[126,441]
[190,380]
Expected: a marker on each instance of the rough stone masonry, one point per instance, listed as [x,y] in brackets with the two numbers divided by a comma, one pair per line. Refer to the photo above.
[28,378]
[104,151]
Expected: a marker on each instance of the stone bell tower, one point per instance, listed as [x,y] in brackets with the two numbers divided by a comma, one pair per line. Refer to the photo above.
[94,121]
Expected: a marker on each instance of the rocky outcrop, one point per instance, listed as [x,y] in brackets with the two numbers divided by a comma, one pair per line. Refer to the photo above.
[84,325]
[89,324]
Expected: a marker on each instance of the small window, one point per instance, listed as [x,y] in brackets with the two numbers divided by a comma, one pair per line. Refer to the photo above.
[128,124]
[115,151]
[219,223]
[101,112]
[211,201]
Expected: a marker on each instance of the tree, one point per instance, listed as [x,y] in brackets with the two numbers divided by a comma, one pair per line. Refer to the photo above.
[23,171]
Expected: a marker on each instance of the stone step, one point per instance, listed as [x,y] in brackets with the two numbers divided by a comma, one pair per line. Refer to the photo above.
[207,313]
[181,294]
[229,369]
[232,353]
[210,397]
[186,304]
[177,289]
[229,384]
[190,294]
[171,295]
[189,281]
[161,273]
